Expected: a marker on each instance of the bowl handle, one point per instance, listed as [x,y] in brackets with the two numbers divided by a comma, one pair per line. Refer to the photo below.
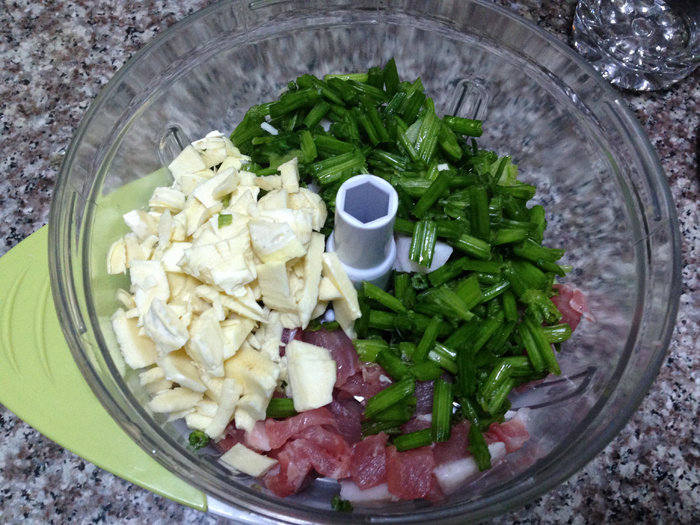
[41,384]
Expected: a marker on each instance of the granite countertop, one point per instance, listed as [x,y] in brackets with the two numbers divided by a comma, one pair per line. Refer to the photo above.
[57,55]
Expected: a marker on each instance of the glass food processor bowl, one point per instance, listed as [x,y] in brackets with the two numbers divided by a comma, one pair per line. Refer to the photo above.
[606,199]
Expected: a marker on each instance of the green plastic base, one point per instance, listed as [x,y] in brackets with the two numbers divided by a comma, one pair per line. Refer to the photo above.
[41,384]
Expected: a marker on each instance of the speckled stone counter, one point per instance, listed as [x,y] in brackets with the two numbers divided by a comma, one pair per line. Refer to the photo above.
[56,56]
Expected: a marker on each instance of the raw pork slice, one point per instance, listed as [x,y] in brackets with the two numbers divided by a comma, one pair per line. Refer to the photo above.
[368,461]
[279,432]
[513,433]
[571,303]
[410,473]
[454,448]
[348,418]
[292,469]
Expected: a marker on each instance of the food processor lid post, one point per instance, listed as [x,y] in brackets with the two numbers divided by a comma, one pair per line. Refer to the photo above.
[365,210]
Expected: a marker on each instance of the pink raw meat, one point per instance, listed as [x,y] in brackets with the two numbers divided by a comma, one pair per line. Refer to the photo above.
[279,432]
[454,448]
[410,473]
[512,433]
[348,418]
[368,461]
[571,303]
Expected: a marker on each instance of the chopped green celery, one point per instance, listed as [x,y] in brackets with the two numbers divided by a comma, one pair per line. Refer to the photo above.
[451,228]
[369,92]
[398,412]
[375,77]
[427,340]
[496,403]
[393,365]
[340,505]
[537,219]
[419,281]
[308,147]
[427,139]
[540,306]
[495,290]
[531,346]
[451,269]
[391,77]
[432,194]
[411,105]
[479,210]
[469,291]
[381,319]
[497,343]
[392,160]
[440,356]
[392,428]
[350,96]
[366,125]
[225,219]
[442,411]
[500,373]
[557,333]
[406,144]
[544,347]
[376,120]
[197,440]
[316,113]
[486,330]
[403,290]
[417,439]
[496,209]
[362,324]
[402,225]
[519,190]
[463,335]
[372,291]
[478,448]
[369,349]
[504,172]
[487,278]
[329,146]
[448,143]
[310,81]
[414,187]
[515,209]
[250,125]
[426,371]
[423,243]
[389,396]
[281,407]
[509,236]
[472,246]
[331,169]
[291,101]
[471,265]
[447,301]
[533,251]
[357,77]
[464,126]
[345,128]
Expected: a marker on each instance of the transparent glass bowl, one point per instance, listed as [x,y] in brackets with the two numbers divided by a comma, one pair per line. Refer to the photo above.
[606,198]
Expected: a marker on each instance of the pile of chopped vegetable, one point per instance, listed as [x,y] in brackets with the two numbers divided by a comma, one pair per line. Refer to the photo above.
[479,325]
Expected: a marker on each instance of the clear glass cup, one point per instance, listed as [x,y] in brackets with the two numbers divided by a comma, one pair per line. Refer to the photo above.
[641,45]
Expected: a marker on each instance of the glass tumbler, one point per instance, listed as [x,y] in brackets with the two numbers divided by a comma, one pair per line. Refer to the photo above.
[640,45]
